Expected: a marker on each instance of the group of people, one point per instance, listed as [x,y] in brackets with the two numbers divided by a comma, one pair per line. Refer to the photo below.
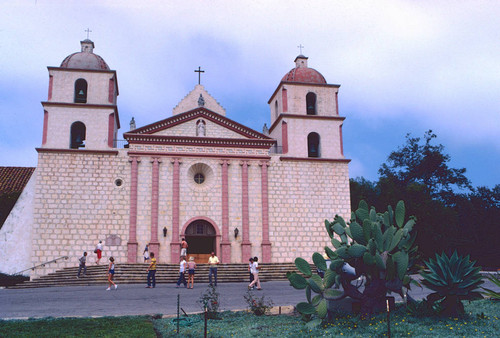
[184,266]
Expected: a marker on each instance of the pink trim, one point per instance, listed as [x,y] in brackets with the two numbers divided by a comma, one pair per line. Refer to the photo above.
[207,114]
[299,84]
[236,157]
[197,141]
[284,137]
[132,239]
[246,245]
[51,82]
[111,130]
[284,98]
[80,105]
[341,140]
[225,244]
[111,92]
[266,244]
[175,243]
[337,102]
[218,234]
[45,126]
[154,245]
[81,151]
[312,117]
[311,159]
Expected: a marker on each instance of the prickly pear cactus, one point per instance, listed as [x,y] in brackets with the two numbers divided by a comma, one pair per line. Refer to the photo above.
[373,248]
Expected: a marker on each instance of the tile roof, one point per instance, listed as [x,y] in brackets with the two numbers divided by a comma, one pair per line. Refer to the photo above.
[14,179]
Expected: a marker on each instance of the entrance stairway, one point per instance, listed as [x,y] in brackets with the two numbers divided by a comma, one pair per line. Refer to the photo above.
[166,273]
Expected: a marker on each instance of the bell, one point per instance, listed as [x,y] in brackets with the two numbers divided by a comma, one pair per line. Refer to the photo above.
[81,92]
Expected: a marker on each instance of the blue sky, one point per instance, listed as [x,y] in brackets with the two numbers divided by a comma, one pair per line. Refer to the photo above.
[403,66]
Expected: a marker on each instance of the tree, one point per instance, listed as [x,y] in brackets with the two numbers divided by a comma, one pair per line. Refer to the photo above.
[424,164]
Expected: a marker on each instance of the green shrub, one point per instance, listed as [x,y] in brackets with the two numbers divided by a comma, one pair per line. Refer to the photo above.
[258,305]
[9,280]
[495,279]
[209,301]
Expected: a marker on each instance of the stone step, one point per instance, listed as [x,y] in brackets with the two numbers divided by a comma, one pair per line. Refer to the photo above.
[166,273]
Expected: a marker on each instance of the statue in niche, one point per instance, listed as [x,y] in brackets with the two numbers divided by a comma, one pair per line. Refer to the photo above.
[201,101]
[200,128]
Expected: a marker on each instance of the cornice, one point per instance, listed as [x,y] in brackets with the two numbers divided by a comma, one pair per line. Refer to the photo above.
[80,105]
[314,159]
[181,155]
[291,83]
[77,151]
[307,117]
[198,141]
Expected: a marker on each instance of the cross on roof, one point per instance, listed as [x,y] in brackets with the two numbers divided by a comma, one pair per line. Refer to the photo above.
[199,71]
[300,47]
[88,32]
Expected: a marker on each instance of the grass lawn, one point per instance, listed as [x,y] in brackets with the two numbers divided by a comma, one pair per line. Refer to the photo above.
[481,320]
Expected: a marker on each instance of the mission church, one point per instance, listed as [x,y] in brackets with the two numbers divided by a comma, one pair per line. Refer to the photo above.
[196,174]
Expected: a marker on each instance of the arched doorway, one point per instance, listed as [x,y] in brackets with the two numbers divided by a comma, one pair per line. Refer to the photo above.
[201,238]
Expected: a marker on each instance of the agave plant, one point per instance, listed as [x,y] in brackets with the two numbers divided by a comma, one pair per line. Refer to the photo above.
[495,279]
[452,279]
[376,248]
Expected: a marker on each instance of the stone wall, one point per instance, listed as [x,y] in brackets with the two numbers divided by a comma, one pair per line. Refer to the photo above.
[77,203]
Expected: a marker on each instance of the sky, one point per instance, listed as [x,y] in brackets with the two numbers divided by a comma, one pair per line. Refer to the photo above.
[403,66]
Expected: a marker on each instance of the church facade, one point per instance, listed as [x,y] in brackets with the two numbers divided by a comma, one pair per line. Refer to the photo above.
[197,175]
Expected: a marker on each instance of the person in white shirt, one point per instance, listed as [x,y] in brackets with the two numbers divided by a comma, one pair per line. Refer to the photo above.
[255,271]
[182,271]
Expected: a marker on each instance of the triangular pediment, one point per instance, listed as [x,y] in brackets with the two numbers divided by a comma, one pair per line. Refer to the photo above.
[186,126]
[198,98]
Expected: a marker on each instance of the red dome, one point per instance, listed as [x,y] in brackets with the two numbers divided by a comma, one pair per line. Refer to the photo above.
[86,59]
[83,60]
[307,75]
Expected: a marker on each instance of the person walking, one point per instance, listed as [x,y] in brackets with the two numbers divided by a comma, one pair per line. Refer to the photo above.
[213,261]
[83,261]
[191,267]
[98,251]
[111,273]
[146,253]
[255,271]
[184,247]
[152,272]
[250,269]
[182,271]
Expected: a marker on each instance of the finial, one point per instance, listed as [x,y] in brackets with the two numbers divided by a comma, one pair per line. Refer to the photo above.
[199,71]
[300,48]
[88,32]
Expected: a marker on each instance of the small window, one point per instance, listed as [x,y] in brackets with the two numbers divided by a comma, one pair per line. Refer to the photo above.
[313,145]
[311,103]
[199,178]
[276,109]
[81,91]
[78,132]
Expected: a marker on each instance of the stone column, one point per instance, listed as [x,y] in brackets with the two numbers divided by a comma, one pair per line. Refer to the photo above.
[225,244]
[154,245]
[132,236]
[266,244]
[246,245]
[175,244]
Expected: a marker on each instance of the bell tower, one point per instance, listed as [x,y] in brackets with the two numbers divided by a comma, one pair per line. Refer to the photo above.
[304,114]
[81,112]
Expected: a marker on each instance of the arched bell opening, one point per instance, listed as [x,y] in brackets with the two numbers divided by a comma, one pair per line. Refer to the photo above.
[313,145]
[311,104]
[80,91]
[77,138]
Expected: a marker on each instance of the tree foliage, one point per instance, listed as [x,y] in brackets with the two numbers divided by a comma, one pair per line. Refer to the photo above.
[452,214]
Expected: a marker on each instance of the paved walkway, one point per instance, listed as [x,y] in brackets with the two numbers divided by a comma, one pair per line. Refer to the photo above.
[135,299]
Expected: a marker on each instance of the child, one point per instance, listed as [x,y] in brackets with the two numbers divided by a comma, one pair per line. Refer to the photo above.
[111,273]
[191,266]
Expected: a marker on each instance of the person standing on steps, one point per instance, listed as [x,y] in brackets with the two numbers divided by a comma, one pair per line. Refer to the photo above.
[213,261]
[152,271]
[191,267]
[184,247]
[182,271]
[98,251]
[83,261]
[255,271]
[111,273]
[146,253]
